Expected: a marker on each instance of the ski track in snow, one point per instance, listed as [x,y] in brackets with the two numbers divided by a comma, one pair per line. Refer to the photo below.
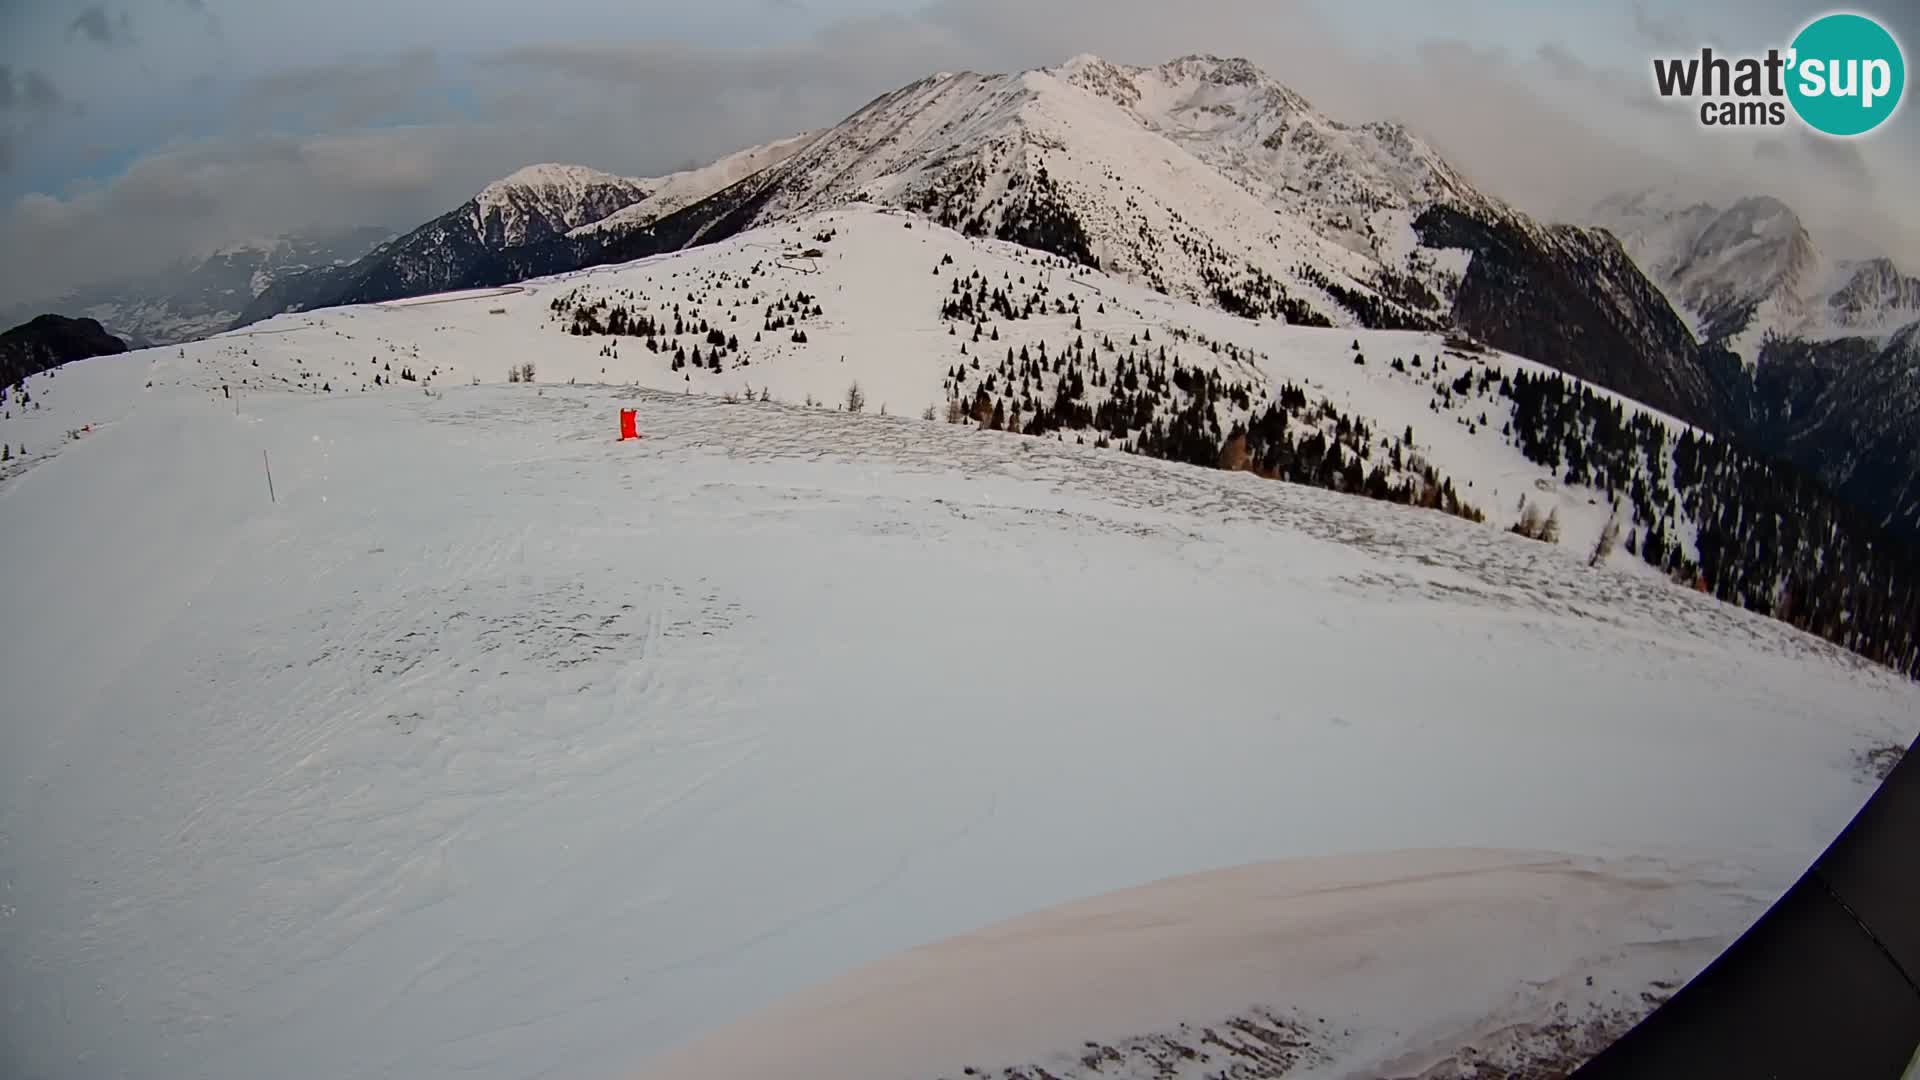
[496,747]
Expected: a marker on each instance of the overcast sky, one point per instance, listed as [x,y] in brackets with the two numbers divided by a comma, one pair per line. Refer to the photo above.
[133,132]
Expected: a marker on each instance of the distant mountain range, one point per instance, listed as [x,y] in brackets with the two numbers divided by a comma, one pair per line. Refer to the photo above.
[196,297]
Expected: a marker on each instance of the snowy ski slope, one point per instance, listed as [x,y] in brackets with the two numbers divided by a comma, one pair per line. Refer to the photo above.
[494,747]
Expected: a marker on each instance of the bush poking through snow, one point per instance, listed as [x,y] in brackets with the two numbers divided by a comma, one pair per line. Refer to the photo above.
[856,398]
[1532,523]
[1609,539]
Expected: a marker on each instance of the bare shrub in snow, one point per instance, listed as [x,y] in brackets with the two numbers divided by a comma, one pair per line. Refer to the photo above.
[1609,538]
[1233,456]
[1532,523]
[1550,532]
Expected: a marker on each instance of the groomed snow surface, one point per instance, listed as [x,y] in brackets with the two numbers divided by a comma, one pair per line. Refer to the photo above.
[494,747]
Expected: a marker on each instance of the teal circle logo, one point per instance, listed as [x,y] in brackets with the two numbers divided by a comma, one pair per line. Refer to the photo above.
[1847,74]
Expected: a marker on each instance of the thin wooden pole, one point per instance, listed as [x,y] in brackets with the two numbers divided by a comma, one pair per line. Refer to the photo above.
[269,465]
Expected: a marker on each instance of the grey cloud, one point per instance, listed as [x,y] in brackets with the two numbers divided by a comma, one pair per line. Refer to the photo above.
[94,24]
[1562,64]
[197,197]
[340,96]
[1667,33]
[39,92]
[199,7]
[1842,161]
[29,106]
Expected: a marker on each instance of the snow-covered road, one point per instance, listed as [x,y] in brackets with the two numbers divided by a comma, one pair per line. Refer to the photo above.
[497,748]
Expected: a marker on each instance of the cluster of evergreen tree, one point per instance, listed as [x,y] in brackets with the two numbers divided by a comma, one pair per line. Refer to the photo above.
[1372,311]
[1258,294]
[972,298]
[1767,536]
[1145,400]
[789,310]
[1043,220]
[953,199]
[1407,291]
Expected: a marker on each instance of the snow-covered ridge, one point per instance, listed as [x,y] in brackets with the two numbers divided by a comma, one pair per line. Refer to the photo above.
[676,190]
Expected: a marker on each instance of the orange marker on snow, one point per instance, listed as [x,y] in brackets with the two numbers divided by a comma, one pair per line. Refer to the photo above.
[629,424]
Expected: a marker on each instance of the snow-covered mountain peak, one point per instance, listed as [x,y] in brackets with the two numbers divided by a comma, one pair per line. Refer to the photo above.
[547,200]
[1221,71]
[551,179]
[1272,141]
[1101,77]
[1875,292]
[1751,271]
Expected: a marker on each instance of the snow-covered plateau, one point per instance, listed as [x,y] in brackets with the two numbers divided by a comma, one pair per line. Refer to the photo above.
[791,742]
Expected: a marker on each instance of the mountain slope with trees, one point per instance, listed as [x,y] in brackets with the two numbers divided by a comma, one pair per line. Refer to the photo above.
[48,341]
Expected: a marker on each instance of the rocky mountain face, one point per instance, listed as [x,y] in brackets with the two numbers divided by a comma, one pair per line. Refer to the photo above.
[196,297]
[49,341]
[1574,299]
[1848,411]
[1874,294]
